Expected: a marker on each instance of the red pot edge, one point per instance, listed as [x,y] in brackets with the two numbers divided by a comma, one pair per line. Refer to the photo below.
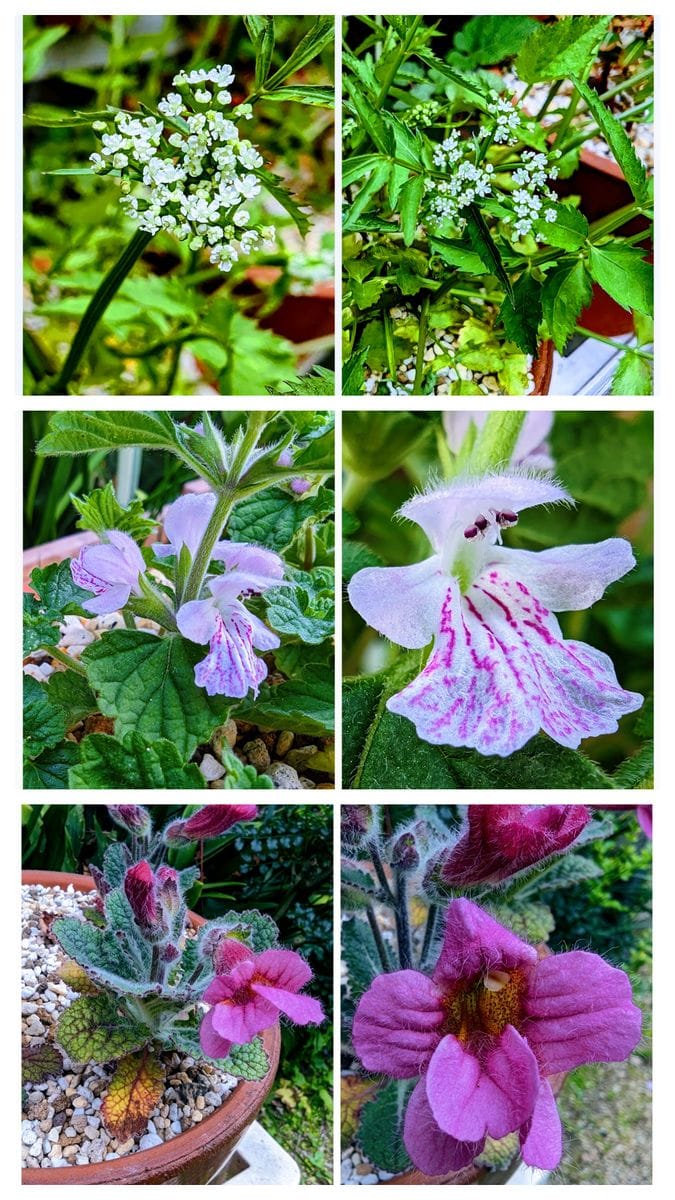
[169,1158]
[542,369]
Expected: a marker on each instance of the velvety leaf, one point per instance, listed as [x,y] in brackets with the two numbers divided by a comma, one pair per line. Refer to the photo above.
[116,860]
[95,1029]
[70,692]
[531,922]
[50,769]
[634,375]
[567,871]
[134,1092]
[40,625]
[521,316]
[305,611]
[146,684]
[106,762]
[256,929]
[380,1133]
[625,275]
[566,291]
[56,588]
[557,51]
[100,511]
[44,724]
[360,955]
[248,1062]
[636,771]
[274,517]
[618,141]
[39,1062]
[120,921]
[76,977]
[76,432]
[303,706]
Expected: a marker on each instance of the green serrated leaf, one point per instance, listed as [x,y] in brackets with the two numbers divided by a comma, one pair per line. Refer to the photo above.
[50,769]
[302,706]
[531,922]
[569,231]
[132,762]
[567,871]
[380,1134]
[44,724]
[146,684]
[72,432]
[274,184]
[634,375]
[70,692]
[115,862]
[521,315]
[309,47]
[409,202]
[618,141]
[40,625]
[56,588]
[565,48]
[625,275]
[306,610]
[566,291]
[95,1029]
[100,511]
[274,517]
[256,929]
[485,247]
[322,97]
[39,1062]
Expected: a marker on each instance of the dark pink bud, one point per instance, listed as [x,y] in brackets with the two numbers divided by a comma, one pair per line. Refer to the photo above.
[228,953]
[216,819]
[405,853]
[355,818]
[140,891]
[169,953]
[500,839]
[132,817]
[168,891]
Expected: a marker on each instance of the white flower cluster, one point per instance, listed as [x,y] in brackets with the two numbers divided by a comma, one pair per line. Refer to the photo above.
[530,197]
[507,120]
[196,179]
[466,180]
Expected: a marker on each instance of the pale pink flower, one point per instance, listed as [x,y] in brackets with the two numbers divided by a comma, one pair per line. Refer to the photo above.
[110,570]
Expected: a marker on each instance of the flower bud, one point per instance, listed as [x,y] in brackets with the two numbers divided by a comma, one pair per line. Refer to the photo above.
[228,953]
[132,817]
[100,882]
[169,953]
[210,822]
[405,854]
[140,891]
[168,891]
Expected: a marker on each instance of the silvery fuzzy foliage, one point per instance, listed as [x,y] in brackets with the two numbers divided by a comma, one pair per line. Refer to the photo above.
[191,173]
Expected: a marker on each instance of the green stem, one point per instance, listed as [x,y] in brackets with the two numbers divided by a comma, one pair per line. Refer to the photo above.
[389,344]
[380,871]
[62,657]
[428,933]
[496,441]
[629,84]
[98,304]
[200,564]
[568,115]
[552,93]
[354,490]
[599,337]
[421,346]
[173,368]
[396,63]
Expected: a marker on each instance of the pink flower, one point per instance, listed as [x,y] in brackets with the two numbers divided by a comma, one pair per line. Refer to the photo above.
[231,667]
[500,839]
[210,822]
[485,1033]
[500,669]
[644,816]
[532,448]
[110,570]
[185,523]
[132,817]
[140,889]
[252,995]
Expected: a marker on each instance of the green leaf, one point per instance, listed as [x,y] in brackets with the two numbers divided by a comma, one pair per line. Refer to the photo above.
[274,517]
[618,141]
[72,432]
[40,629]
[531,922]
[116,860]
[39,1062]
[488,40]
[409,206]
[521,316]
[356,556]
[569,230]
[239,775]
[357,166]
[106,961]
[380,1133]
[323,97]
[353,377]
[636,771]
[457,254]
[625,275]
[484,246]
[56,588]
[44,725]
[70,692]
[306,610]
[320,35]
[364,295]
[132,763]
[369,118]
[50,769]
[303,706]
[263,39]
[561,50]
[634,375]
[566,291]
[462,79]
[360,955]
[101,511]
[567,872]
[275,185]
[94,1030]
[256,929]
[146,684]
[375,451]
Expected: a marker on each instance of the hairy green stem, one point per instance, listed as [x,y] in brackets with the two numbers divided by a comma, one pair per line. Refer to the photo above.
[62,657]
[379,871]
[99,302]
[200,565]
[428,933]
[496,441]
[421,345]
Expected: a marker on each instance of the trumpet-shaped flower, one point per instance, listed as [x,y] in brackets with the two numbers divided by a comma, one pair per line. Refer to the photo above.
[484,1034]
[253,994]
[110,570]
[231,667]
[210,822]
[500,669]
[500,839]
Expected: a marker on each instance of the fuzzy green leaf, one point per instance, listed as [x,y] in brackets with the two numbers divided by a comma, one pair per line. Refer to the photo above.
[101,511]
[256,929]
[115,862]
[146,683]
[93,1029]
[72,432]
[274,517]
[303,706]
[567,871]
[306,610]
[360,955]
[50,769]
[380,1134]
[106,762]
[44,724]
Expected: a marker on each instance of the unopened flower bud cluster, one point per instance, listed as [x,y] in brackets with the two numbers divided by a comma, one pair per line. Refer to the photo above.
[470,180]
[196,171]
[422,114]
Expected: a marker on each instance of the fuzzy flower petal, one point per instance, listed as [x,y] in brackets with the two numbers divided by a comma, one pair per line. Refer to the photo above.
[580,1010]
[263,568]
[501,671]
[197,620]
[567,578]
[185,523]
[493,1092]
[110,570]
[249,998]
[431,1150]
[474,943]
[211,1042]
[541,1136]
[231,668]
[500,839]
[397,1024]
[402,603]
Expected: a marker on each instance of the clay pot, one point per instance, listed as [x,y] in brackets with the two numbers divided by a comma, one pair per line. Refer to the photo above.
[191,1157]
[542,369]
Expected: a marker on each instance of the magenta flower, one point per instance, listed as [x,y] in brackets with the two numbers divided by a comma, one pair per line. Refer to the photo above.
[231,667]
[500,669]
[484,1034]
[500,839]
[644,816]
[132,817]
[531,449]
[252,995]
[210,822]
[140,888]
[110,570]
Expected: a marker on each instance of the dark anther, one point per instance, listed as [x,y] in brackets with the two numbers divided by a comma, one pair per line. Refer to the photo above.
[471,531]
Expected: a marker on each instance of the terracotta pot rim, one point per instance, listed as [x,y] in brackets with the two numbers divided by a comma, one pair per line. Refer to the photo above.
[542,369]
[237,1111]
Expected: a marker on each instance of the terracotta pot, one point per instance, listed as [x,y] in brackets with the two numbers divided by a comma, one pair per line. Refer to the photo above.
[302,318]
[542,369]
[191,1157]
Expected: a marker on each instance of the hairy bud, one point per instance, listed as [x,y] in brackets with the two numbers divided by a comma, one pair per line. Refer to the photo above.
[132,817]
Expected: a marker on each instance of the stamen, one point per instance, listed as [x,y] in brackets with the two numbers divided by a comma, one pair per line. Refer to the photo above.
[495,981]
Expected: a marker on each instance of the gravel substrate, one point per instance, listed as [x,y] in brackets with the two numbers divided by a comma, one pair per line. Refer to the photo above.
[61,1124]
[292,760]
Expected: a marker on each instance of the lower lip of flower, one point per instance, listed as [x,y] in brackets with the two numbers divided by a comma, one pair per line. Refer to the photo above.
[485,1007]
